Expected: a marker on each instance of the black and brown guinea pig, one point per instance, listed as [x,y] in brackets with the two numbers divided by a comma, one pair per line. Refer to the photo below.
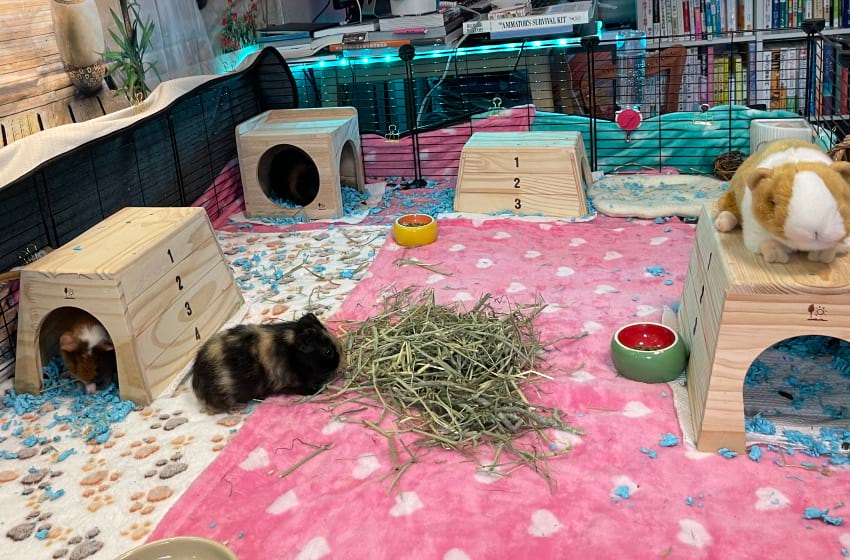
[303,181]
[250,362]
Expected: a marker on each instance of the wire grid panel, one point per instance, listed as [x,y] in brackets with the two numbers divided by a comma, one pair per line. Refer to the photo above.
[173,157]
[696,95]
[829,108]
[421,114]
[8,323]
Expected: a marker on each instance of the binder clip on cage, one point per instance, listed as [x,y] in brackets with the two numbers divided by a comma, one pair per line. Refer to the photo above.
[703,118]
[496,110]
[392,136]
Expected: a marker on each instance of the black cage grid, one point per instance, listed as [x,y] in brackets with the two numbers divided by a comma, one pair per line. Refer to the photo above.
[690,94]
[695,101]
[168,158]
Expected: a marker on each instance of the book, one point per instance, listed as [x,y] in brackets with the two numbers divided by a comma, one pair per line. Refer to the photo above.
[579,14]
[362,45]
[286,28]
[336,29]
[434,19]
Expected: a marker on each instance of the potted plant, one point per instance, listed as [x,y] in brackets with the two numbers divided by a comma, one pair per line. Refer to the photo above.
[132,39]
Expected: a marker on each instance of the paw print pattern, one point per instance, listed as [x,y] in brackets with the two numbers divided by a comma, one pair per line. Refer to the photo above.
[145,503]
[97,482]
[38,487]
[81,547]
[229,421]
[38,526]
[138,531]
[169,422]
[167,469]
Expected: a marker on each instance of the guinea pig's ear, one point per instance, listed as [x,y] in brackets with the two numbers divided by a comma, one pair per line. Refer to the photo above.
[69,343]
[843,168]
[757,176]
[311,320]
[104,346]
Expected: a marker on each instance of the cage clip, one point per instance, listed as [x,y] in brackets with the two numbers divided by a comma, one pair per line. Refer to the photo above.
[496,109]
[703,118]
[392,136]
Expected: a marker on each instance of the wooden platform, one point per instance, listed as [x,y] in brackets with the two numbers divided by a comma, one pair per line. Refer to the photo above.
[154,277]
[525,173]
[35,92]
[735,306]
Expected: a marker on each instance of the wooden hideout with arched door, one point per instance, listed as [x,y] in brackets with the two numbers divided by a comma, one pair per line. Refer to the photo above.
[735,306]
[155,278]
[294,161]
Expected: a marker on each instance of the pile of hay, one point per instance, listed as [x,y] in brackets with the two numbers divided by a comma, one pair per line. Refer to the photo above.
[454,378]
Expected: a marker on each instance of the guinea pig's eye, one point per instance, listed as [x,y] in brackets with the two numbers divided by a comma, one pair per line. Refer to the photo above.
[327,352]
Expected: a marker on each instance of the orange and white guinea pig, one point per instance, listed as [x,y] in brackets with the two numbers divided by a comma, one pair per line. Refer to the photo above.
[789,196]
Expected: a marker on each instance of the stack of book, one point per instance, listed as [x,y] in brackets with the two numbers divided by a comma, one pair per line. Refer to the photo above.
[443,27]
[289,35]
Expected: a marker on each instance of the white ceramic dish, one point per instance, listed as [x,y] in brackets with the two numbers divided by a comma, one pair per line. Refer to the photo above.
[180,548]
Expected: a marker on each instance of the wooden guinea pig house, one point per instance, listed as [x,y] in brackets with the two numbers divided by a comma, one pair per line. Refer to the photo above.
[735,306]
[155,278]
[293,161]
[524,173]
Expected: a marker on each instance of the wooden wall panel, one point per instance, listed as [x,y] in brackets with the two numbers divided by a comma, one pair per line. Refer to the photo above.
[35,91]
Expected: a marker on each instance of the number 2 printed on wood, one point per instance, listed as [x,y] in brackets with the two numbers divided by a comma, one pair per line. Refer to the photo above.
[179,283]
[516,182]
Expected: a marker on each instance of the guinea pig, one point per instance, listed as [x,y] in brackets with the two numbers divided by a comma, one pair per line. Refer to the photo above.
[87,351]
[250,362]
[303,182]
[789,196]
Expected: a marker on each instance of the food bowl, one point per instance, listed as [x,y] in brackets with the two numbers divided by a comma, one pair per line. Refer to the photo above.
[180,548]
[415,230]
[648,352]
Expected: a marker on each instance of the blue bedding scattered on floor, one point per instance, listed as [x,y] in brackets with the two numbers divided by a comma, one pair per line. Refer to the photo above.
[804,383]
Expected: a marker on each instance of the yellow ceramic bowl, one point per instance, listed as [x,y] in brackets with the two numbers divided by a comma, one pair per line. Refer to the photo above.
[180,548]
[415,230]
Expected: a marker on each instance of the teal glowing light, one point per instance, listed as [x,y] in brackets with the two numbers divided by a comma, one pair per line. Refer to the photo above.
[437,52]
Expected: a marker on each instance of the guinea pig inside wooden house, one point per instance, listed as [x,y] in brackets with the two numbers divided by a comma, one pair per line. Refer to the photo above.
[292,176]
[86,347]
